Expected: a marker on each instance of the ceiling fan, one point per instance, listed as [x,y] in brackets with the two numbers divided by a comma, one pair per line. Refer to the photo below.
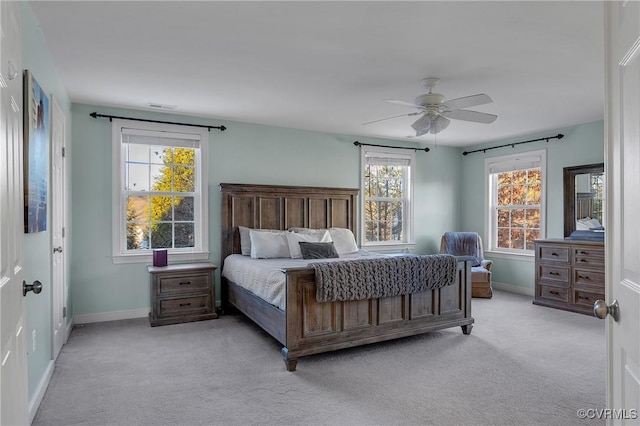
[436,112]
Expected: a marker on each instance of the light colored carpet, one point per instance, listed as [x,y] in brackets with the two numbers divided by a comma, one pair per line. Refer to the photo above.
[522,365]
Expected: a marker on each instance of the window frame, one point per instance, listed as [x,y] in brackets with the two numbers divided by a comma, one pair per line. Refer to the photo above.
[408,199]
[527,160]
[200,251]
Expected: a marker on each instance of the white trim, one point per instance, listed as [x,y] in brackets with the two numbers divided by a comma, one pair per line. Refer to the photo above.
[525,256]
[201,211]
[111,316]
[409,244]
[148,257]
[527,291]
[70,325]
[490,219]
[38,395]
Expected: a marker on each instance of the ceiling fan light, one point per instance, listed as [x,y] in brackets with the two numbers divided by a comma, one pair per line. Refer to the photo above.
[423,123]
[439,124]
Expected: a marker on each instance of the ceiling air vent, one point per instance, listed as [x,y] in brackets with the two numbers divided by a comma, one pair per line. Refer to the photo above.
[161,106]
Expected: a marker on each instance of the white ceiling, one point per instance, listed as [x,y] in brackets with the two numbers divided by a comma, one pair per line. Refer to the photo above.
[327,66]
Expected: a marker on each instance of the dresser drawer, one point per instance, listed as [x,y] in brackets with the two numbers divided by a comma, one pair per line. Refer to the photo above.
[560,294]
[553,253]
[184,283]
[588,260]
[586,298]
[585,277]
[559,275]
[185,306]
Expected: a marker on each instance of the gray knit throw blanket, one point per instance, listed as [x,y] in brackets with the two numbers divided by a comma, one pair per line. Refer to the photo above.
[381,277]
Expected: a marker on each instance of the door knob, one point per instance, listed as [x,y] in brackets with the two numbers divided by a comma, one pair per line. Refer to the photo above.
[57,249]
[601,309]
[36,287]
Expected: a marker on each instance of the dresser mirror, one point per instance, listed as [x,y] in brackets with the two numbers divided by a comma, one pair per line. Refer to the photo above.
[584,200]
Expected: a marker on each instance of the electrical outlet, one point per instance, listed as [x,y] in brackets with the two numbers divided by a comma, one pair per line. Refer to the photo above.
[33,340]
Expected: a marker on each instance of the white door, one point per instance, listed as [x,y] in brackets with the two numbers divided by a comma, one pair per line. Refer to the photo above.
[58,286]
[622,168]
[13,351]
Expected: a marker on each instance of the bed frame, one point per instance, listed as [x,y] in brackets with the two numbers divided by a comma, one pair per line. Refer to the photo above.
[309,327]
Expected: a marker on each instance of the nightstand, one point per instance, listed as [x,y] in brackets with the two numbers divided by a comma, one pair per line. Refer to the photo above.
[182,293]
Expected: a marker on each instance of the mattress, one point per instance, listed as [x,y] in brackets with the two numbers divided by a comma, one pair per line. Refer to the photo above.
[266,278]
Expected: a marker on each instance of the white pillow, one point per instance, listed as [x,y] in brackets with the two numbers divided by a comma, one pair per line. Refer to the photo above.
[594,223]
[343,240]
[294,239]
[245,240]
[268,245]
[581,226]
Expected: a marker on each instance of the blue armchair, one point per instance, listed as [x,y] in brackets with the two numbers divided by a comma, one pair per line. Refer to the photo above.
[470,244]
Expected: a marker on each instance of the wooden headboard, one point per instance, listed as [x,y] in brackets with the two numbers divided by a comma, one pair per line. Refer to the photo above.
[283,207]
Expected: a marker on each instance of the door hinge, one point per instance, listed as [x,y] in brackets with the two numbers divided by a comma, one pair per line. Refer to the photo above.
[64,152]
[63,232]
[64,312]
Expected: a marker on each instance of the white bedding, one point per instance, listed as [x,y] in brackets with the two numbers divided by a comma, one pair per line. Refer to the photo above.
[265,277]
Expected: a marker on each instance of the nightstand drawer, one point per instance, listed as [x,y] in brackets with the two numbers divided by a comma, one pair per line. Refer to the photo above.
[184,283]
[185,306]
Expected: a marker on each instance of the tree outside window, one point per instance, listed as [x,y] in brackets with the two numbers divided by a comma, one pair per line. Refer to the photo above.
[386,192]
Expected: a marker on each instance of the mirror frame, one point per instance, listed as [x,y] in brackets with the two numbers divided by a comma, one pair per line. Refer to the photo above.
[569,181]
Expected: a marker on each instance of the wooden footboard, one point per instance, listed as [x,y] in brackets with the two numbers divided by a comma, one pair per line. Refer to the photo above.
[310,327]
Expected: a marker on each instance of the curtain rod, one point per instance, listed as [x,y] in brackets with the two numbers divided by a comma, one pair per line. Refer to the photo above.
[111,117]
[558,136]
[356,143]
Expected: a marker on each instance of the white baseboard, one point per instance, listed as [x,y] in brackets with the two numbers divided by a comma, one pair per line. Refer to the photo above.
[70,325]
[111,316]
[513,288]
[34,404]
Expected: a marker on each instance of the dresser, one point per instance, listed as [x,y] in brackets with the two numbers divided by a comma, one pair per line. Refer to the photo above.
[569,274]
[182,293]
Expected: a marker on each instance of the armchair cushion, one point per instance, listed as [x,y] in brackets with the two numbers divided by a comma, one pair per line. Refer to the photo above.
[463,244]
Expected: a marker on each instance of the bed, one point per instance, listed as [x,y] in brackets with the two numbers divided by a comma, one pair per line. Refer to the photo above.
[305,326]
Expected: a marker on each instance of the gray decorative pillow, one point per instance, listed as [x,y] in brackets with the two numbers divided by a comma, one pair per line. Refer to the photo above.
[318,250]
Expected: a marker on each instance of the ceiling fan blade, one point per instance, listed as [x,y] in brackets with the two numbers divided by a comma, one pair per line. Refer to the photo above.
[467,101]
[466,115]
[409,104]
[439,124]
[395,116]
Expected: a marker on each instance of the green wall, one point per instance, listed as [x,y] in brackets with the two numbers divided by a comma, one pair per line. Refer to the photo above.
[244,153]
[583,144]
[37,246]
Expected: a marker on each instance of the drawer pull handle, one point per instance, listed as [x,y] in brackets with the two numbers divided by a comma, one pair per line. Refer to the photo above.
[583,298]
[554,254]
[554,292]
[584,277]
[583,252]
[582,260]
[554,273]
[185,304]
[185,283]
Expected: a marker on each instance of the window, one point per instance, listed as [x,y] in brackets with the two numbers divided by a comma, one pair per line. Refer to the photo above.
[159,191]
[516,201]
[387,193]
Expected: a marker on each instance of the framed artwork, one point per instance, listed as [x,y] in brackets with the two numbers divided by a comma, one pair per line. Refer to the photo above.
[36,155]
